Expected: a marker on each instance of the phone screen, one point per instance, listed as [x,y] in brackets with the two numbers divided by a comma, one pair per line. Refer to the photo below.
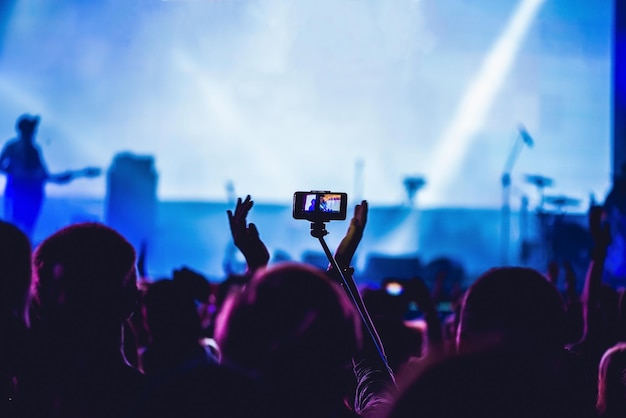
[320,206]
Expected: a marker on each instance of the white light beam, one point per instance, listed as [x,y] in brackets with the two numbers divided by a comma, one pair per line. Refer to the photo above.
[476,102]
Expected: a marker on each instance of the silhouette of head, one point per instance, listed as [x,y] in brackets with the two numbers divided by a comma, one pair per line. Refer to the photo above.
[513,306]
[170,312]
[26,125]
[15,270]
[485,384]
[612,382]
[85,274]
[289,322]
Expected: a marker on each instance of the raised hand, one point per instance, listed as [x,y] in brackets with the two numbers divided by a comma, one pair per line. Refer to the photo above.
[347,247]
[570,275]
[600,231]
[246,236]
[554,270]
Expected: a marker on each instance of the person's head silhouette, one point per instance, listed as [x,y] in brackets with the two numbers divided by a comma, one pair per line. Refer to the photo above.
[85,274]
[26,126]
[513,306]
[15,271]
[295,329]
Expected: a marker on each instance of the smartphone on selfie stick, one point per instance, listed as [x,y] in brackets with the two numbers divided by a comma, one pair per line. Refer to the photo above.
[320,207]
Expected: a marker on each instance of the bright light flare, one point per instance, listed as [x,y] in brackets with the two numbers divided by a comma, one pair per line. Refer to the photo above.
[476,103]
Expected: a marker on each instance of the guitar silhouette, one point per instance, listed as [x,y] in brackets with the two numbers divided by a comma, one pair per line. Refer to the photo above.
[67,176]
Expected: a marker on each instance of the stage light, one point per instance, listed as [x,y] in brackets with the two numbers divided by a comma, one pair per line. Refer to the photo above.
[476,103]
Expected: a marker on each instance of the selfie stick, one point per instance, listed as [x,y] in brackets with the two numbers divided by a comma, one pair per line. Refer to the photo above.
[318,230]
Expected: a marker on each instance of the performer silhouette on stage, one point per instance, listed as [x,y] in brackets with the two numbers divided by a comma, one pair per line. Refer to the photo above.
[27,176]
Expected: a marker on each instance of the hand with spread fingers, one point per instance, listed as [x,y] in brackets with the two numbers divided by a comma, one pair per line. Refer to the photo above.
[246,236]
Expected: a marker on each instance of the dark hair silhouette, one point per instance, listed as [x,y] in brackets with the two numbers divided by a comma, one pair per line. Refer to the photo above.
[174,324]
[287,312]
[170,312]
[85,289]
[295,329]
[485,384]
[26,123]
[515,306]
[15,271]
[512,360]
[85,272]
[15,279]
[612,382]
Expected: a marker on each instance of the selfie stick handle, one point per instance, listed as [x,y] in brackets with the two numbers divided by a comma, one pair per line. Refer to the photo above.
[318,230]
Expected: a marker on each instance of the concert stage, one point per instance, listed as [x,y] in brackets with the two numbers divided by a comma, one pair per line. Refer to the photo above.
[398,239]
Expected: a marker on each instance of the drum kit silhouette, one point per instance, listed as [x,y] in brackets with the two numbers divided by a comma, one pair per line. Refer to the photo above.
[554,235]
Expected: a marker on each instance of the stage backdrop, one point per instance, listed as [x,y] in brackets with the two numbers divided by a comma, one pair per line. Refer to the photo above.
[275,96]
[398,240]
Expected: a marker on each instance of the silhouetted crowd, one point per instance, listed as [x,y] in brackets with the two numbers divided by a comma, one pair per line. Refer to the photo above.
[84,335]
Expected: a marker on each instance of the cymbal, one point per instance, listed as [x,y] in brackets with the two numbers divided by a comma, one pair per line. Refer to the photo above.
[538,180]
[561,201]
[414,182]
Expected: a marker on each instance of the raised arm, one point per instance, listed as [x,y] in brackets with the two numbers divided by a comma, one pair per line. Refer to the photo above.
[601,235]
[571,292]
[346,250]
[350,242]
[375,381]
[246,236]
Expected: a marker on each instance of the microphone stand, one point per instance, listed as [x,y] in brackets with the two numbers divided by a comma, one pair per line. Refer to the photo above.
[505,212]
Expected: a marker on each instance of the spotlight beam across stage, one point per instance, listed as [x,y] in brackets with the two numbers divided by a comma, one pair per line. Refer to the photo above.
[477,101]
